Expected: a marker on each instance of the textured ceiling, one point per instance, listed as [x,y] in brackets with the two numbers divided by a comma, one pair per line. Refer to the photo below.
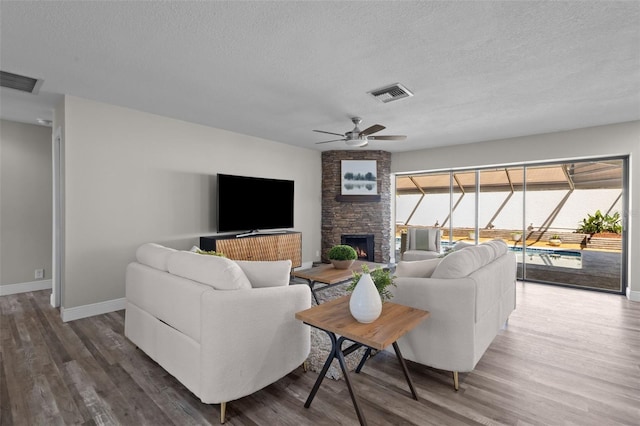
[479,70]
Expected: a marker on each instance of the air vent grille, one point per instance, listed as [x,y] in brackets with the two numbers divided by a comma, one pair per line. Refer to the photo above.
[391,93]
[19,82]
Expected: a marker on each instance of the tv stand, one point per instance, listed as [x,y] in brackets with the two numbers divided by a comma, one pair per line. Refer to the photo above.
[258,245]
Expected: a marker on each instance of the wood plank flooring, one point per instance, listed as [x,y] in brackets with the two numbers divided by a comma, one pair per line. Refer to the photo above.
[567,357]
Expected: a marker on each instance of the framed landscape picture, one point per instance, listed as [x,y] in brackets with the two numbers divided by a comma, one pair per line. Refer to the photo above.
[359,177]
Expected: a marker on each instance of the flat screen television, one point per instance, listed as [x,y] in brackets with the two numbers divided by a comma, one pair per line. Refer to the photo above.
[253,204]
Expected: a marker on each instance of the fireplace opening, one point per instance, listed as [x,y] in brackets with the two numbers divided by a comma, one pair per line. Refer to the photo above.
[363,245]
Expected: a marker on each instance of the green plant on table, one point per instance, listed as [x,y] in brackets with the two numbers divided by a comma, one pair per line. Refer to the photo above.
[382,279]
[555,237]
[342,252]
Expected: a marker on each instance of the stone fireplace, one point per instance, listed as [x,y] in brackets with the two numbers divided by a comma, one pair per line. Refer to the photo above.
[357,215]
[363,245]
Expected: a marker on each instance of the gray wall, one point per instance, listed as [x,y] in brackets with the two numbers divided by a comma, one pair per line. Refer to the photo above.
[25,202]
[133,177]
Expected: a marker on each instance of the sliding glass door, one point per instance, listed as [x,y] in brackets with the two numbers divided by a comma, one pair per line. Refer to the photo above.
[563,219]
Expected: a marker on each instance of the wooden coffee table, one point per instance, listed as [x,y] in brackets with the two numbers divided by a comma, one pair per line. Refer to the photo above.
[330,276]
[334,318]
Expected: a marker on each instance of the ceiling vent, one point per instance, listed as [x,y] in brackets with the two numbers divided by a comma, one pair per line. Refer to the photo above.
[391,93]
[20,82]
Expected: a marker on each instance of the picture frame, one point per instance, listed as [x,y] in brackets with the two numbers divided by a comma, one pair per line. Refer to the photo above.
[359,177]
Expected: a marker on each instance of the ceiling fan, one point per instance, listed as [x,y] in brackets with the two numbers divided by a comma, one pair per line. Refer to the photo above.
[361,138]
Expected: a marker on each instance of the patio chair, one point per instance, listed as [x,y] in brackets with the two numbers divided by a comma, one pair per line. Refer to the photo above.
[422,243]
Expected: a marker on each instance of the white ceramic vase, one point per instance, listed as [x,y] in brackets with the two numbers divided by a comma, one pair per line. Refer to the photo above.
[365,303]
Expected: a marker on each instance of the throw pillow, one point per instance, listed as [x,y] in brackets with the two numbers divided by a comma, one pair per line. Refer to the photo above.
[218,272]
[266,273]
[417,269]
[154,255]
[425,239]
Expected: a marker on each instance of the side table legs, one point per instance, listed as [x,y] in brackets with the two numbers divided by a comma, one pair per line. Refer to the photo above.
[404,370]
[337,352]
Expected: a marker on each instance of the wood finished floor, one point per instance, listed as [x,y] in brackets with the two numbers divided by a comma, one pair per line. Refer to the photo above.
[568,357]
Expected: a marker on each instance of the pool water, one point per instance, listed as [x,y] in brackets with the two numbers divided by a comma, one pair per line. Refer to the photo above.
[551,258]
[537,256]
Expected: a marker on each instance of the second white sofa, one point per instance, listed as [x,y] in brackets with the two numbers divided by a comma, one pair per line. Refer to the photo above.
[470,294]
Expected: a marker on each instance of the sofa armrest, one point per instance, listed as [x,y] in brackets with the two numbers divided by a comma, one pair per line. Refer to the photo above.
[446,299]
[444,340]
[250,338]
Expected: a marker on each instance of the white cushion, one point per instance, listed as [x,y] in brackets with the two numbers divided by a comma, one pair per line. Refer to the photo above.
[462,263]
[154,255]
[413,255]
[499,246]
[266,273]
[417,269]
[218,272]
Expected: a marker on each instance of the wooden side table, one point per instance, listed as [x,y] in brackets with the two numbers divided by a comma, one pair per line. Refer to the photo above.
[335,319]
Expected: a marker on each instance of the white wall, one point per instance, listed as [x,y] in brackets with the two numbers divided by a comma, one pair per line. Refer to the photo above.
[133,177]
[25,206]
[611,140]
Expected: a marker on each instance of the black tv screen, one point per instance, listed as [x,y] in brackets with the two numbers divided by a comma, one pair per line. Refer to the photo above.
[250,204]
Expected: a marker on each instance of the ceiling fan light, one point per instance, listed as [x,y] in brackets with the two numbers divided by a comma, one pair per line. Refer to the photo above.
[357,142]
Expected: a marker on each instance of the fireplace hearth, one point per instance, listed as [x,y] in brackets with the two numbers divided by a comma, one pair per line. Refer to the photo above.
[362,243]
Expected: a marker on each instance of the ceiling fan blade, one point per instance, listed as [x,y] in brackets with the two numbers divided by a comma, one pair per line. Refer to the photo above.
[334,140]
[388,138]
[329,133]
[373,129]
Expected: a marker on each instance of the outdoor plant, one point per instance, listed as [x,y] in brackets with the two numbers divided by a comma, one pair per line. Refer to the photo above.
[555,237]
[597,223]
[342,252]
[382,278]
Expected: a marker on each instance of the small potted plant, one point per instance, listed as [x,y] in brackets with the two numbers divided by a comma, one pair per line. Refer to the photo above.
[382,279]
[555,240]
[369,290]
[342,256]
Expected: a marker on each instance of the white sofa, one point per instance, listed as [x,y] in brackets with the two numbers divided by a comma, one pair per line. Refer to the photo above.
[470,294]
[224,329]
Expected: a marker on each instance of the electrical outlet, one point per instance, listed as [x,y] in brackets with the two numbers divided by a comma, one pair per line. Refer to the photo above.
[317,253]
[39,274]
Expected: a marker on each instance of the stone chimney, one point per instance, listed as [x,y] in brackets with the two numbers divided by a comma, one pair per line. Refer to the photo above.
[356,214]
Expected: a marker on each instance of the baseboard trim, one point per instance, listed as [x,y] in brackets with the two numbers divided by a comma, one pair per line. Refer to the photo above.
[6,290]
[633,295]
[93,309]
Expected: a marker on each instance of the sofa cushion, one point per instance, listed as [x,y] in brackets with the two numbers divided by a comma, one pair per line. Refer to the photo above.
[499,247]
[464,262]
[417,269]
[218,272]
[413,255]
[154,255]
[266,273]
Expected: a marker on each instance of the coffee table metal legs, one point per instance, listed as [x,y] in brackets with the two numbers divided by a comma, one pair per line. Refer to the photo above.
[337,352]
